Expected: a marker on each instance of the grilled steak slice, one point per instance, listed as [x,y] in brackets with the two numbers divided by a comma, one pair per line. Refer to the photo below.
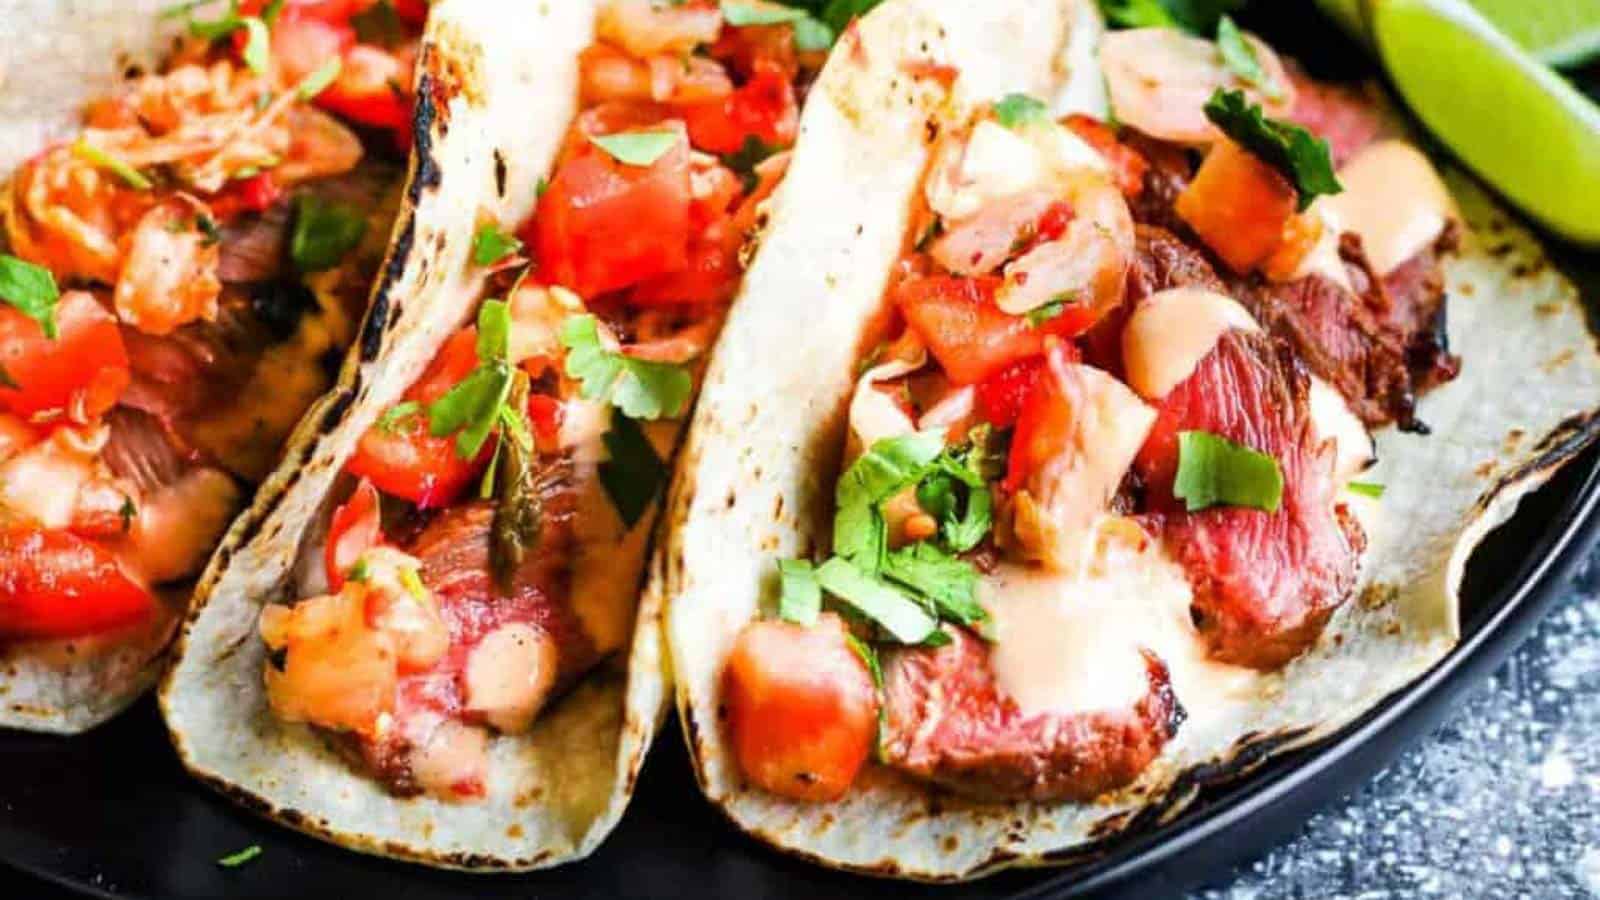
[948,722]
[1264,583]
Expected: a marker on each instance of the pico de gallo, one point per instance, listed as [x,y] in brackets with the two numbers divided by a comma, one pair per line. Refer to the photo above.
[179,283]
[488,552]
[1110,433]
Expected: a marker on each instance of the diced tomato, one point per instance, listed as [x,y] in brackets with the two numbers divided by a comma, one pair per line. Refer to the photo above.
[748,48]
[303,41]
[604,224]
[54,584]
[1053,222]
[801,708]
[413,11]
[545,413]
[1045,416]
[404,459]
[710,277]
[253,194]
[965,331]
[1000,397]
[1127,165]
[373,88]
[763,108]
[1238,205]
[355,529]
[86,362]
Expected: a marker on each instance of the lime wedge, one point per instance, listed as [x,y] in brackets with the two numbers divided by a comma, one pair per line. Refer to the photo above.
[1558,32]
[1518,124]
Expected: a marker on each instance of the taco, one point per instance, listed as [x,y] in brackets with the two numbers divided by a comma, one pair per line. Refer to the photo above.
[195,204]
[1108,458]
[424,645]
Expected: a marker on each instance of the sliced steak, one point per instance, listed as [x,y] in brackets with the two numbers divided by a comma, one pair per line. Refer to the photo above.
[1162,260]
[1170,169]
[1264,583]
[948,722]
[1344,115]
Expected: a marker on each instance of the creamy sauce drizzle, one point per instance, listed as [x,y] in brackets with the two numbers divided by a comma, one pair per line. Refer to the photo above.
[1070,643]
[1393,199]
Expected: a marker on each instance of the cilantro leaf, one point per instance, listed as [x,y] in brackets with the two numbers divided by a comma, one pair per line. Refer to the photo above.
[744,160]
[637,148]
[490,245]
[1214,471]
[811,35]
[1365,489]
[859,533]
[950,582]
[642,389]
[740,14]
[323,233]
[1239,56]
[472,408]
[1015,110]
[494,331]
[869,658]
[1292,150]
[1194,16]
[100,159]
[257,54]
[318,81]
[399,414]
[235,860]
[906,620]
[836,14]
[633,474]
[32,291]
[801,596]
[1054,307]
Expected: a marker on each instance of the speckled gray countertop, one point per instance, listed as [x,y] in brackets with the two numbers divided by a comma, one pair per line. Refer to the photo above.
[1502,801]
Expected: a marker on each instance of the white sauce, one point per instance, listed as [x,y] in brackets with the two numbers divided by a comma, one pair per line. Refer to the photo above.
[1171,331]
[1393,199]
[1332,419]
[1067,644]
[874,415]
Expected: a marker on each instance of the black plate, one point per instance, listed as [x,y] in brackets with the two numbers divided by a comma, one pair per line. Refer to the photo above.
[111,814]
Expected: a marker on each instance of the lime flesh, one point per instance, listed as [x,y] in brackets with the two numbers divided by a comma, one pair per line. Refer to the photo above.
[1558,32]
[1518,124]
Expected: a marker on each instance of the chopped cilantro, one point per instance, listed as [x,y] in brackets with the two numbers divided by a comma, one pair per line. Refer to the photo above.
[637,148]
[1195,16]
[640,388]
[100,159]
[1015,110]
[744,160]
[6,380]
[413,583]
[359,572]
[257,50]
[490,245]
[1239,56]
[208,227]
[869,658]
[951,583]
[1042,314]
[740,14]
[32,291]
[235,860]
[1365,489]
[633,473]
[400,414]
[314,84]
[895,611]
[471,409]
[800,598]
[1292,150]
[1214,471]
[127,512]
[323,233]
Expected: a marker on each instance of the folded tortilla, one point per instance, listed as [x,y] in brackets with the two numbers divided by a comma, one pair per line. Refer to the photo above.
[496,94]
[755,482]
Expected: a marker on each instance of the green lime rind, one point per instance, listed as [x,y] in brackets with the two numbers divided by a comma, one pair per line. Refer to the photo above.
[1512,120]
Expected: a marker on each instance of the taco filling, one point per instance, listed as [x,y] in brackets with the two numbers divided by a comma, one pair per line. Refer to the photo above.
[488,550]
[1108,434]
[180,282]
